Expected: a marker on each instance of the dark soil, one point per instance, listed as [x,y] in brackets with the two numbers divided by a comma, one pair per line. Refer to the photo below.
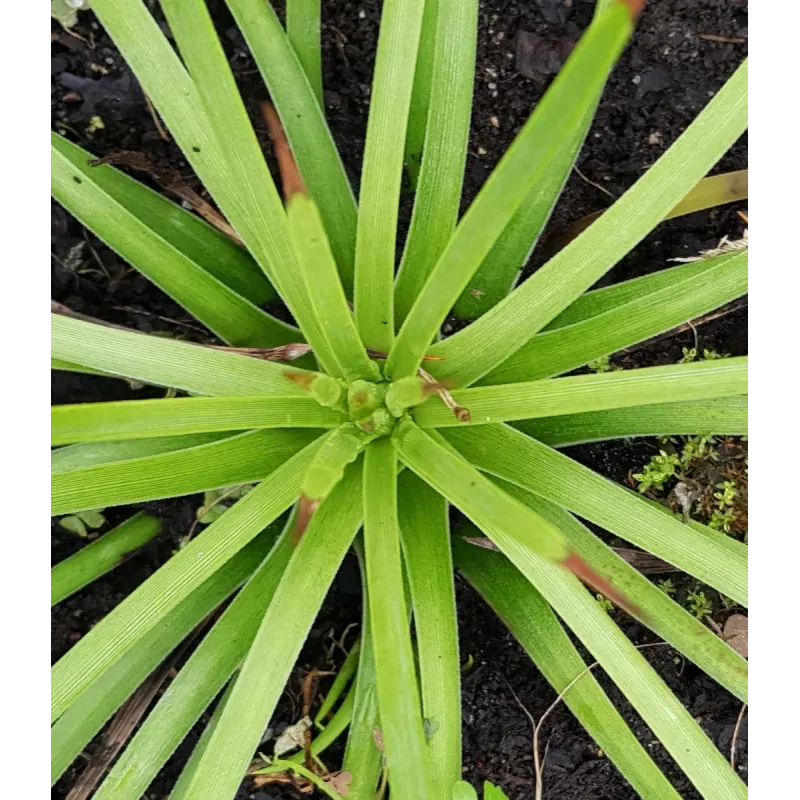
[663,80]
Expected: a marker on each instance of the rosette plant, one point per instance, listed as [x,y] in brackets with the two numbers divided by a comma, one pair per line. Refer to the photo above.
[380,428]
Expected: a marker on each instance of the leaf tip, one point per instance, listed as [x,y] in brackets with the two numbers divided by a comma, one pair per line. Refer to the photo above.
[634,6]
[586,573]
[290,175]
[305,510]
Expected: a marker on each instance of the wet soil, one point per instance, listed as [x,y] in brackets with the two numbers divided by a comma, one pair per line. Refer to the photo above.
[663,80]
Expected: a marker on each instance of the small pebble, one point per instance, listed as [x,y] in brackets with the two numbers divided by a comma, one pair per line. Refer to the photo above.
[636,80]
[495,122]
[362,14]
[481,151]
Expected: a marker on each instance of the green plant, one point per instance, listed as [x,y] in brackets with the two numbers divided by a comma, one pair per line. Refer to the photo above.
[83,521]
[657,471]
[464,791]
[667,586]
[698,604]
[605,603]
[364,438]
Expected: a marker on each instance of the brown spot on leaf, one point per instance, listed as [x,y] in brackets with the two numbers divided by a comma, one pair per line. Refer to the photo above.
[290,174]
[589,575]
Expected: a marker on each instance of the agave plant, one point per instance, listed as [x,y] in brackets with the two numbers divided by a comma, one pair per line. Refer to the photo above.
[381,425]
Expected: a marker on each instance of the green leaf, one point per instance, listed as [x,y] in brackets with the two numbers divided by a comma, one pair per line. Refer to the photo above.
[563,106]
[201,243]
[208,669]
[155,599]
[500,269]
[362,758]
[74,525]
[421,92]
[167,362]
[340,682]
[179,416]
[407,759]
[187,774]
[609,298]
[425,536]
[661,710]
[289,617]
[476,350]
[440,111]
[302,115]
[712,191]
[101,556]
[492,792]
[381,173]
[231,317]
[583,393]
[206,116]
[315,259]
[95,705]
[533,623]
[566,348]
[662,615]
[463,791]
[91,454]
[712,557]
[723,415]
[303,30]
[245,458]
[475,495]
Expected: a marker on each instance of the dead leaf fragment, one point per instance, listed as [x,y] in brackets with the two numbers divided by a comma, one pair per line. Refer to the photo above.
[292,738]
[340,782]
[734,632]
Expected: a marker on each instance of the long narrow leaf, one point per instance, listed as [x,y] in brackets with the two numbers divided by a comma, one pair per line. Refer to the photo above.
[166,362]
[670,721]
[152,602]
[723,415]
[573,346]
[199,680]
[303,30]
[362,758]
[95,705]
[425,534]
[710,556]
[477,497]
[277,644]
[664,616]
[205,114]
[102,555]
[187,774]
[229,315]
[609,298]
[315,259]
[500,269]
[478,349]
[421,91]
[533,623]
[452,24]
[402,730]
[186,232]
[140,419]
[712,191]
[93,454]
[245,458]
[563,106]
[581,393]
[381,173]
[301,113]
